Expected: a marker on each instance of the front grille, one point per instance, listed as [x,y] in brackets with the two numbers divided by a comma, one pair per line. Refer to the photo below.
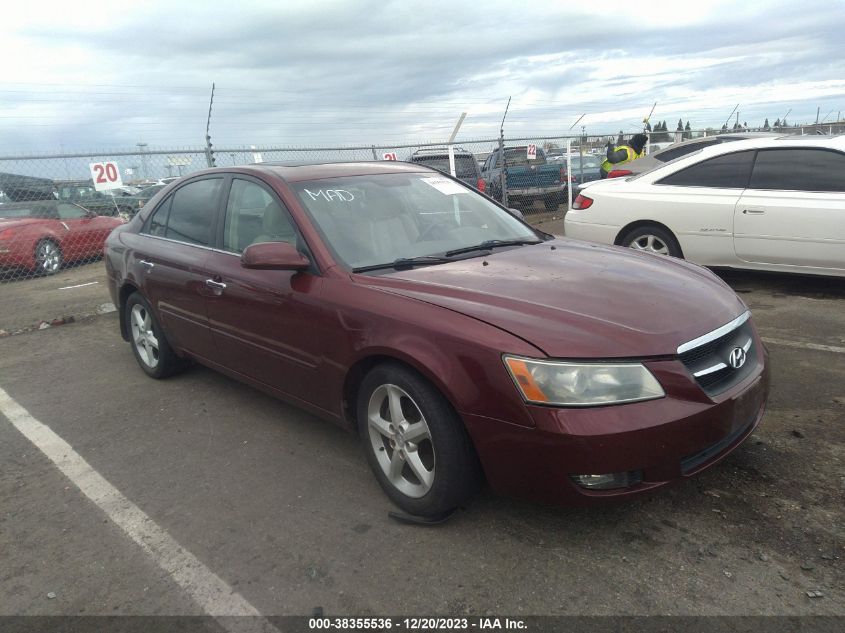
[708,357]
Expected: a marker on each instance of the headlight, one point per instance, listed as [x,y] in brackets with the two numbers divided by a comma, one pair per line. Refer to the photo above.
[582,384]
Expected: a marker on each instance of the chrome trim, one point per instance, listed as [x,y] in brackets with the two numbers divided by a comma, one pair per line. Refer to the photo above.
[710,370]
[747,346]
[717,333]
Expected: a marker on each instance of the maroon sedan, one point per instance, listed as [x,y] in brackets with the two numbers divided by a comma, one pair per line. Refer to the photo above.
[459,342]
[40,236]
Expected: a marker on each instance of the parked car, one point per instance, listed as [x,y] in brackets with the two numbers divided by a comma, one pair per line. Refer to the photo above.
[527,179]
[459,342]
[40,236]
[775,203]
[113,203]
[585,169]
[671,151]
[466,168]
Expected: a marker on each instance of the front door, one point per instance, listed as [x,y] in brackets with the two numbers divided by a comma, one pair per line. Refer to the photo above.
[265,323]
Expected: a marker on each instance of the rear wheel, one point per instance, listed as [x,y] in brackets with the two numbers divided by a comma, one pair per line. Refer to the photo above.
[151,349]
[551,203]
[652,239]
[48,257]
[415,442]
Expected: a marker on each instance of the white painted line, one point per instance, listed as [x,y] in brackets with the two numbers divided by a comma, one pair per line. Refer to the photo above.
[800,345]
[90,283]
[208,590]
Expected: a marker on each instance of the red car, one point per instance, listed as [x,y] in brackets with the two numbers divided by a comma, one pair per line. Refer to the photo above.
[40,236]
[460,343]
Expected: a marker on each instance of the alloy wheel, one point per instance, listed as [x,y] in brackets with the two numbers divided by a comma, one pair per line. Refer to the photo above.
[48,257]
[650,244]
[401,440]
[143,337]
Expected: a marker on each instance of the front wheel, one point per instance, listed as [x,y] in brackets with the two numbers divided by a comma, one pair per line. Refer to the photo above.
[150,347]
[652,239]
[415,442]
[48,257]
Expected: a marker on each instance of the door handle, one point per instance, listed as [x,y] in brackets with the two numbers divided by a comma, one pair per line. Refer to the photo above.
[754,211]
[216,286]
[148,265]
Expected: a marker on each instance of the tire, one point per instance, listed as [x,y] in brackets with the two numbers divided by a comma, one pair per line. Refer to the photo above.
[427,468]
[652,239]
[551,204]
[48,257]
[149,345]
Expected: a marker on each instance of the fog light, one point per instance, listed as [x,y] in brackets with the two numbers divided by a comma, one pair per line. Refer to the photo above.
[609,481]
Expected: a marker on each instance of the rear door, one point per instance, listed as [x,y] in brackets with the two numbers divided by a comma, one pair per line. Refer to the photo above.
[265,323]
[793,212]
[169,259]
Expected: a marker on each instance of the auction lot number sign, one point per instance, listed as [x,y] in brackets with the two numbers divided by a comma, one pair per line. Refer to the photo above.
[105,176]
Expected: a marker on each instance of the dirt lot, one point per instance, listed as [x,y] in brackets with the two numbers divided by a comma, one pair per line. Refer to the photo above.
[282,507]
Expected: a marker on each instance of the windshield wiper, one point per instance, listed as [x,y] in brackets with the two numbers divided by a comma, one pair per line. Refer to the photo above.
[487,245]
[406,262]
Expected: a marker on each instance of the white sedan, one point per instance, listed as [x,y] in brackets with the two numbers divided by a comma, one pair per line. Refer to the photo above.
[764,203]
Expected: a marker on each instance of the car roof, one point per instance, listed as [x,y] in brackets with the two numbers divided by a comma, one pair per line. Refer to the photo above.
[295,172]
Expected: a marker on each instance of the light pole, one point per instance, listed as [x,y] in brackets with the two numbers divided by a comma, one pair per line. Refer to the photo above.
[141,150]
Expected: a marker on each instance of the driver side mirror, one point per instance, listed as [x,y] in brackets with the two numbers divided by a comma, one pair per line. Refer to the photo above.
[273,256]
[517,213]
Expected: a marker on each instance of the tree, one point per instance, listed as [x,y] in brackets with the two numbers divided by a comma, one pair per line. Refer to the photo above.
[724,128]
[766,124]
[687,131]
[777,123]
[680,127]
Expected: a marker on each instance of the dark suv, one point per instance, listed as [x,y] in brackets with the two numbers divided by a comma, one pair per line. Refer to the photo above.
[466,167]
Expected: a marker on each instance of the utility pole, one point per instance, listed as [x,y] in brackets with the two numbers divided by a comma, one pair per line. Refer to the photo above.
[503,173]
[141,151]
[209,152]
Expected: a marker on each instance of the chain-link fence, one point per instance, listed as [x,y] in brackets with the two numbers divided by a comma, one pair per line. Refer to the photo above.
[56,210]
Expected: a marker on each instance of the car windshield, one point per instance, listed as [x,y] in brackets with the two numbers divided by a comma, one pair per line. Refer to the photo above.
[465,166]
[151,191]
[378,219]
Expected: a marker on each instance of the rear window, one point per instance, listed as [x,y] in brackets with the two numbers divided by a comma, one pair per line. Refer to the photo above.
[799,170]
[517,156]
[465,166]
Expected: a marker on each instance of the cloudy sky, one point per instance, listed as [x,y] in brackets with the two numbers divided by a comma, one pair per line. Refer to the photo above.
[83,75]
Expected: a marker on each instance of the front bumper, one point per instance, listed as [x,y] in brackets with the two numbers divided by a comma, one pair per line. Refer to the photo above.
[666,440]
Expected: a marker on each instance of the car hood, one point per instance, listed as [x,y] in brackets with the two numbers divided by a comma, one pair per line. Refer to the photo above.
[577,300]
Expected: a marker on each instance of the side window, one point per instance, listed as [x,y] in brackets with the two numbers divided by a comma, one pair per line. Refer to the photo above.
[70,211]
[192,212]
[253,216]
[157,223]
[730,171]
[799,170]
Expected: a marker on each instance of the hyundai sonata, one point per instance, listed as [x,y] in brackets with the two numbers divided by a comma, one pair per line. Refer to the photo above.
[460,343]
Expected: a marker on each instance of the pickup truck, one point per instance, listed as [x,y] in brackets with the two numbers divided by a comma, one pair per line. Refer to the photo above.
[527,180]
